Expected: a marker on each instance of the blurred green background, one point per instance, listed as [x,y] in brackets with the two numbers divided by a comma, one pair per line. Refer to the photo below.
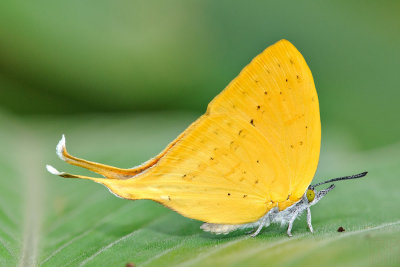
[138,56]
[131,75]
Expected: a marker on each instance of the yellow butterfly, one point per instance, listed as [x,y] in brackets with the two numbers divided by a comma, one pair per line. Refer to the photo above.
[247,162]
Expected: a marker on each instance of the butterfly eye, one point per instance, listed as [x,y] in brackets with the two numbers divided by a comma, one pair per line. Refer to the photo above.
[310,195]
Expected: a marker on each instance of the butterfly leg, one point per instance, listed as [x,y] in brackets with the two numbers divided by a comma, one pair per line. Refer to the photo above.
[289,230]
[309,220]
[265,222]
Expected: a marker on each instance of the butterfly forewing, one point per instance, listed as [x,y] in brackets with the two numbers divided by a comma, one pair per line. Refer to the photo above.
[276,94]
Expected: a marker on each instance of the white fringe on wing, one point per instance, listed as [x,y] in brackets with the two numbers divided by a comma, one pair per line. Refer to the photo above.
[60,148]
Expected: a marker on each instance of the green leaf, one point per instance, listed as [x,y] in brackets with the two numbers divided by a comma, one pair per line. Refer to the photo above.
[49,221]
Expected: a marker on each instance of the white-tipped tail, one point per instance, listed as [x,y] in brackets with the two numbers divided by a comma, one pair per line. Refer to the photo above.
[60,148]
[53,170]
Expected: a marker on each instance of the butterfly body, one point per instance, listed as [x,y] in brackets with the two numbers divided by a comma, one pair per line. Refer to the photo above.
[248,161]
[284,217]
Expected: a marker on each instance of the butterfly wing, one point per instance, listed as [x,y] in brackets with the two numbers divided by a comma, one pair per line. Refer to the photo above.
[256,148]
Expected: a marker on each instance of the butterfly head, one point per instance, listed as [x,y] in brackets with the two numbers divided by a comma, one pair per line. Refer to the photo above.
[313,196]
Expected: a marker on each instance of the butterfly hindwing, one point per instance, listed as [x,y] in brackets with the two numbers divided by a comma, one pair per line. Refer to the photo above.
[222,171]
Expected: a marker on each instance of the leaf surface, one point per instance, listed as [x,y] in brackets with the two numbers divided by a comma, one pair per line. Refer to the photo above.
[49,221]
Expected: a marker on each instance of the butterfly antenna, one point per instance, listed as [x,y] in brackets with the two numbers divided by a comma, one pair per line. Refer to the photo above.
[355,176]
